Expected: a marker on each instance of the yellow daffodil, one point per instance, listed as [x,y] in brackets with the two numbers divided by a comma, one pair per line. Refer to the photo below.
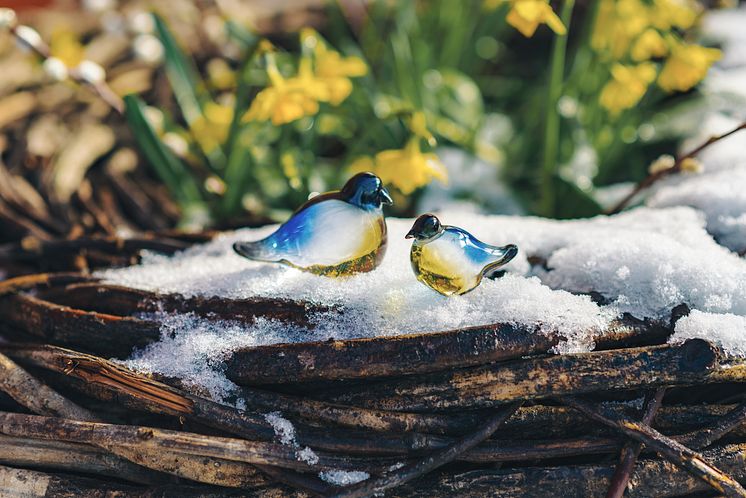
[286,100]
[65,46]
[680,14]
[407,169]
[210,130]
[335,71]
[526,15]
[627,86]
[687,66]
[650,44]
[618,24]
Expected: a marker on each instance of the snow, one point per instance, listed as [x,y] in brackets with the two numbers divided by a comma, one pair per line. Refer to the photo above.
[343,477]
[726,330]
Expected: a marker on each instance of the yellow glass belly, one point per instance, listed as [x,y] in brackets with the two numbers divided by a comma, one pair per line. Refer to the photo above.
[372,250]
[440,275]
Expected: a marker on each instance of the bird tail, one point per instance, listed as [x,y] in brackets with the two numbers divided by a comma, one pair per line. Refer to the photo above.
[257,250]
[501,256]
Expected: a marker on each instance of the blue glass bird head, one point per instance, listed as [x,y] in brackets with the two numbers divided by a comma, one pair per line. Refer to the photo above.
[366,191]
[425,227]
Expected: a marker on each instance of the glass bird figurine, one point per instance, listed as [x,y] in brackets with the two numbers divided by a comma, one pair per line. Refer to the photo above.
[450,260]
[334,234]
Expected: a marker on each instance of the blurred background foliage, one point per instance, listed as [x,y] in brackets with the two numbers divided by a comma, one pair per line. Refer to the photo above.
[512,106]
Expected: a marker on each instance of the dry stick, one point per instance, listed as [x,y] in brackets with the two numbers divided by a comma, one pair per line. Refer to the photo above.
[154,440]
[35,396]
[666,447]
[73,457]
[100,88]
[653,478]
[727,423]
[632,449]
[432,462]
[654,177]
[40,399]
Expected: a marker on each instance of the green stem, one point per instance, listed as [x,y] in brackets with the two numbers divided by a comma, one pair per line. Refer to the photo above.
[551,132]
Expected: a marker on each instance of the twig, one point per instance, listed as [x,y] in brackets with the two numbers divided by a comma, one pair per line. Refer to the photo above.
[726,424]
[675,168]
[432,462]
[156,440]
[100,88]
[666,447]
[632,449]
[655,478]
[35,396]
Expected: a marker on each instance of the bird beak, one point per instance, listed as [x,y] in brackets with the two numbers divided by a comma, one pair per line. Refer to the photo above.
[410,235]
[384,196]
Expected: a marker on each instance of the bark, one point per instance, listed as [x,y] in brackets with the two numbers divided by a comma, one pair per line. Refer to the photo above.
[537,378]
[403,354]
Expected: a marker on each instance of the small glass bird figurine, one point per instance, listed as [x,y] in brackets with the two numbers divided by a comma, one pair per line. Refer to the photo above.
[450,260]
[334,234]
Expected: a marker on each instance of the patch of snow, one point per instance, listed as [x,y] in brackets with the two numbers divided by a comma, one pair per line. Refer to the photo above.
[721,196]
[284,429]
[343,477]
[726,330]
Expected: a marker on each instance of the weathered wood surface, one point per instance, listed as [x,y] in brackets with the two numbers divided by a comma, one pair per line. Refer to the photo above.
[536,378]
[153,440]
[405,354]
[668,448]
[650,479]
[62,456]
[23,483]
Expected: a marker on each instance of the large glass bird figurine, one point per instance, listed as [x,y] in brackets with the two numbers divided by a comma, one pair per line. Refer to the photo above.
[334,234]
[450,260]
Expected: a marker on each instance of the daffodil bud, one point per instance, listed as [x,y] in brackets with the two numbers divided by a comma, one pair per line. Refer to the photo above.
[148,49]
[691,165]
[55,68]
[28,38]
[663,163]
[90,72]
[8,18]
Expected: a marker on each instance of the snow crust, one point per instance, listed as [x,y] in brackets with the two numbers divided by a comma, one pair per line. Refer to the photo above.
[343,477]
[726,330]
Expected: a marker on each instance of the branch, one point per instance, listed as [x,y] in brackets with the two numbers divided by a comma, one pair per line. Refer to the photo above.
[674,452]
[654,177]
[432,462]
[632,449]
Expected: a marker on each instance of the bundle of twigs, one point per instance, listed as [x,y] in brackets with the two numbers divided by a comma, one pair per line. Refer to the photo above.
[469,412]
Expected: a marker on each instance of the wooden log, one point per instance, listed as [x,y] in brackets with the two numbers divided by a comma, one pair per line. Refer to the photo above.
[35,396]
[124,301]
[104,334]
[32,249]
[23,483]
[153,439]
[536,378]
[666,447]
[40,280]
[651,479]
[404,354]
[207,470]
[73,457]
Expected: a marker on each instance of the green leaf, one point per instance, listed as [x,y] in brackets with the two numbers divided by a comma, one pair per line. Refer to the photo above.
[182,75]
[572,202]
[167,166]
